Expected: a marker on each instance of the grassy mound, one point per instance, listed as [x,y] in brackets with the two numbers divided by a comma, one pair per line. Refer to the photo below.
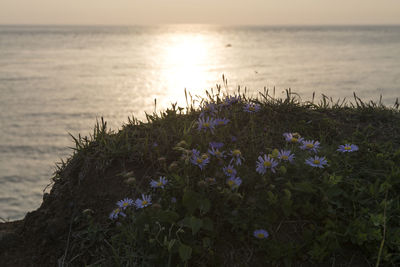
[217,186]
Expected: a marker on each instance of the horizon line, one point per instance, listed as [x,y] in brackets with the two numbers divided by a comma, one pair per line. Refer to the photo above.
[205,24]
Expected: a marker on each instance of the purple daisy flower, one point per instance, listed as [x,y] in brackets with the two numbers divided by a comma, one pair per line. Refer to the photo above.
[347,148]
[144,202]
[229,100]
[115,213]
[293,137]
[199,160]
[195,152]
[310,145]
[252,108]
[286,155]
[206,123]
[229,171]
[317,162]
[264,163]
[216,145]
[236,156]
[208,108]
[215,152]
[221,121]
[123,204]
[160,183]
[234,182]
[260,234]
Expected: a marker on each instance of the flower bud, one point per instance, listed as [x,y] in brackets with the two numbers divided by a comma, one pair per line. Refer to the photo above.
[173,166]
[201,183]
[156,206]
[162,159]
[130,181]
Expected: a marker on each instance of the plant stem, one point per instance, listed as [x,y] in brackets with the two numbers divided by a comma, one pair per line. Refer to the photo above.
[384,232]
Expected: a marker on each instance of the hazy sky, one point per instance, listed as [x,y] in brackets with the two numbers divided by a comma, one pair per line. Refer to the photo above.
[267,12]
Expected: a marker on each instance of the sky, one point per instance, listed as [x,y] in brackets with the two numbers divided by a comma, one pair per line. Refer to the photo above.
[226,12]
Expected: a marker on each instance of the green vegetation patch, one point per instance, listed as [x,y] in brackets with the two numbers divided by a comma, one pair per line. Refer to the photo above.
[240,182]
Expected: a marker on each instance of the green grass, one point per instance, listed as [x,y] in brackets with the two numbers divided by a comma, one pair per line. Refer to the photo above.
[346,214]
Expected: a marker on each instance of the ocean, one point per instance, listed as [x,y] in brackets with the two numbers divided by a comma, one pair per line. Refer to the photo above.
[56,80]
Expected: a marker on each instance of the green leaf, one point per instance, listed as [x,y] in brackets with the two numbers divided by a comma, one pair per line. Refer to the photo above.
[195,224]
[191,200]
[283,169]
[167,216]
[206,242]
[286,206]
[208,224]
[272,198]
[185,252]
[377,219]
[334,192]
[205,205]
[288,194]
[305,187]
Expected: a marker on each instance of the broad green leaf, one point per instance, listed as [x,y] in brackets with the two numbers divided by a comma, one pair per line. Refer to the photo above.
[334,192]
[305,187]
[205,205]
[191,200]
[272,198]
[206,242]
[168,216]
[208,224]
[185,252]
[195,224]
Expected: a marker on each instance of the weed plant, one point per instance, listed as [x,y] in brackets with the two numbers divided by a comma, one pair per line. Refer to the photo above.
[248,182]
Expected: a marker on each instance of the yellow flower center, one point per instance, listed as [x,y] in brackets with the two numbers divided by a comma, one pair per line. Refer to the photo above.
[285,157]
[199,160]
[231,183]
[236,152]
[217,153]
[347,148]
[297,135]
[229,171]
[144,202]
[252,108]
[316,161]
[260,235]
[294,140]
[204,156]
[220,122]
[117,210]
[159,183]
[206,124]
[125,204]
[267,163]
[309,146]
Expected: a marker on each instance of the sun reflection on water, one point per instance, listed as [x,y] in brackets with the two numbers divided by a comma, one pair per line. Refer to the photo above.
[185,63]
